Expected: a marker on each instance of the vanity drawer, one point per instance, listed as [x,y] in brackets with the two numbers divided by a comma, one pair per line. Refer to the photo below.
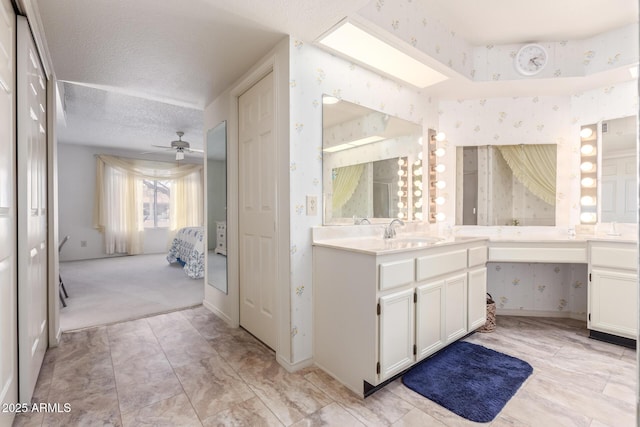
[622,256]
[477,256]
[396,273]
[436,265]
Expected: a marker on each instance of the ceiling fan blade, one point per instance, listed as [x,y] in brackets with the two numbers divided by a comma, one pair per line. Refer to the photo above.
[194,150]
[162,146]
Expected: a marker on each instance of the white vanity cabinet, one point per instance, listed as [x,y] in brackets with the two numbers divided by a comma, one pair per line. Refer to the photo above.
[613,289]
[375,315]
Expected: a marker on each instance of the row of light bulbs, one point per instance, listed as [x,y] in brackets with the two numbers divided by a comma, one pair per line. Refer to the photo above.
[438,168]
[588,170]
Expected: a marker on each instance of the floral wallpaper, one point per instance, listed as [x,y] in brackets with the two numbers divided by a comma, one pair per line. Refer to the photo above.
[418,23]
[540,288]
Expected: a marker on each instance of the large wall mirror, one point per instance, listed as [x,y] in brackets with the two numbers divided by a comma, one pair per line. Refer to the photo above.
[618,186]
[506,185]
[217,207]
[372,165]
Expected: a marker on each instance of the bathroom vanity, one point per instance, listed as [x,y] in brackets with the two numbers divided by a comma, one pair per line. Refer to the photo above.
[381,305]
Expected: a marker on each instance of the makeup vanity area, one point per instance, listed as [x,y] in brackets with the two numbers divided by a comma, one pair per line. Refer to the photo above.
[390,295]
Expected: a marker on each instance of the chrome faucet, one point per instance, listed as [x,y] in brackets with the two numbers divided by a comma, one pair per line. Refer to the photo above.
[390,230]
[360,221]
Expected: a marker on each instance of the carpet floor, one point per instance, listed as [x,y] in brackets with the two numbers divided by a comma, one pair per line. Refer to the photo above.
[108,290]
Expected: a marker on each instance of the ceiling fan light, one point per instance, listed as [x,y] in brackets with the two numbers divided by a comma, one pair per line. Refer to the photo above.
[179,155]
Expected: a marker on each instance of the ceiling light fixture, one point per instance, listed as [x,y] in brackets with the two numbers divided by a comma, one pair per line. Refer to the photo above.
[357,44]
[353,144]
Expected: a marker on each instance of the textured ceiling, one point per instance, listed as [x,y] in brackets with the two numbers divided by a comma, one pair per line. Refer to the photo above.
[144,69]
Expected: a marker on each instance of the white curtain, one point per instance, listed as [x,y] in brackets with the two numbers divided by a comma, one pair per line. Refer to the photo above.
[345,183]
[186,206]
[534,165]
[118,202]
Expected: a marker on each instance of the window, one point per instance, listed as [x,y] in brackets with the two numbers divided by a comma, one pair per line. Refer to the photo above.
[156,203]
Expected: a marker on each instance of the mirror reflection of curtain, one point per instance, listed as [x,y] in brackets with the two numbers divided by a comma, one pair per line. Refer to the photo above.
[345,182]
[118,211]
[535,167]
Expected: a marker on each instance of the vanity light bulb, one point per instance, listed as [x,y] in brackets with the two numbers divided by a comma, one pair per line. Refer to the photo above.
[418,184]
[420,141]
[400,172]
[418,172]
[400,215]
[439,152]
[588,217]
[400,205]
[440,185]
[440,168]
[586,166]
[419,203]
[440,216]
[400,162]
[400,193]
[418,193]
[441,136]
[587,149]
[588,201]
[417,163]
[420,155]
[400,183]
[587,182]
[440,200]
[586,132]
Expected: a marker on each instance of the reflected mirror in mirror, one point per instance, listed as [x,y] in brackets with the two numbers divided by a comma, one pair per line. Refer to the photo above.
[618,185]
[506,185]
[371,164]
[217,207]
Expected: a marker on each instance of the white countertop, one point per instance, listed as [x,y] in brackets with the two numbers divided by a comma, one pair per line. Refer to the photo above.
[368,239]
[401,243]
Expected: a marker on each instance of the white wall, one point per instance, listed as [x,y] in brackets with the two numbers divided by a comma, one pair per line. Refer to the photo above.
[76,189]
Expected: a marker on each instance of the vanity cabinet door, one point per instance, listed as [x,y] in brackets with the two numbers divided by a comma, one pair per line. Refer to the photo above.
[455,307]
[477,298]
[396,332]
[613,302]
[430,306]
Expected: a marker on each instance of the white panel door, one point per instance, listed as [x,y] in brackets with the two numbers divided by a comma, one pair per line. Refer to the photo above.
[619,190]
[8,266]
[430,332]
[257,209]
[455,307]
[396,333]
[32,211]
[477,293]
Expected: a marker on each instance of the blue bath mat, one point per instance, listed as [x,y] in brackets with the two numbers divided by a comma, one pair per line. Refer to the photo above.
[468,379]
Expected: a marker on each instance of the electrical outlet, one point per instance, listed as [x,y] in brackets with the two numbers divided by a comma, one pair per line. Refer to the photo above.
[83,243]
[312,205]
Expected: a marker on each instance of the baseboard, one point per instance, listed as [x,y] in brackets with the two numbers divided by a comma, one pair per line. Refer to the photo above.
[219,313]
[541,313]
[293,367]
[612,339]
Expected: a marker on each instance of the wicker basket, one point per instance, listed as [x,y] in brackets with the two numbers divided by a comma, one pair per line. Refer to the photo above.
[490,324]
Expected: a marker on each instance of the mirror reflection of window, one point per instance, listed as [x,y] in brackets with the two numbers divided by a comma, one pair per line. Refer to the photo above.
[361,170]
[506,185]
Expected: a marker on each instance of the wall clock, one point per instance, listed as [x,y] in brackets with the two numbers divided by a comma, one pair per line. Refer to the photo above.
[531,59]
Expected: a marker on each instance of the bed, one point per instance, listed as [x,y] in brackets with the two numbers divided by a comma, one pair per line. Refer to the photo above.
[188,250]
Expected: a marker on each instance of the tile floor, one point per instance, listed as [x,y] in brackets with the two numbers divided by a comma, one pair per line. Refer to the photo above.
[188,368]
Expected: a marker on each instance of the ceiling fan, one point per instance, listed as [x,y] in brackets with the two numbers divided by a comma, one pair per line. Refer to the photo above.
[180,146]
